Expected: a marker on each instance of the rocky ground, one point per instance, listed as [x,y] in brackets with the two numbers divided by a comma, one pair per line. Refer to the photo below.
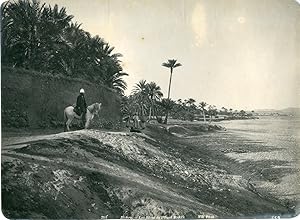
[166,171]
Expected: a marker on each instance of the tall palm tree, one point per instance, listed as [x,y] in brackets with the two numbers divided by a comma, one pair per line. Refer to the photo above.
[202,106]
[172,63]
[154,92]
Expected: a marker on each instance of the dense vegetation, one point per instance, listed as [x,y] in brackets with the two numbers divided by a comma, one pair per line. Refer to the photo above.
[147,101]
[44,38]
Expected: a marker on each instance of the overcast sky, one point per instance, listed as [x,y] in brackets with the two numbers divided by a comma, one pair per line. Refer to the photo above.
[241,54]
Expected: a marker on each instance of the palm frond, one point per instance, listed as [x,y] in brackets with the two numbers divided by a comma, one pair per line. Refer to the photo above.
[140,87]
[171,63]
[177,65]
[166,65]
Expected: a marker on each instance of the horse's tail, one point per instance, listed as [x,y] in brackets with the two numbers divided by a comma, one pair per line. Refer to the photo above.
[65,121]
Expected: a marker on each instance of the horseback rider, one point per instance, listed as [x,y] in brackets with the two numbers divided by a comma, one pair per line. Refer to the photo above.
[81,106]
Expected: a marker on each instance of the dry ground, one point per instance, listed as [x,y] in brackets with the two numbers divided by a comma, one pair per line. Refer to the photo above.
[164,171]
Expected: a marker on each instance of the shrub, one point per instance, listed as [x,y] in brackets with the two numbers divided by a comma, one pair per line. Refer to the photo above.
[14,118]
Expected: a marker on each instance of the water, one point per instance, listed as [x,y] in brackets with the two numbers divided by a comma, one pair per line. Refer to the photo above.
[280,132]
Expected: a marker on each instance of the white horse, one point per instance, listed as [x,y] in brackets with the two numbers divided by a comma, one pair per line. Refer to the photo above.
[69,115]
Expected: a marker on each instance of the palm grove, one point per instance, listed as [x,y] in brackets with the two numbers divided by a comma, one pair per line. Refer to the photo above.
[44,38]
[39,37]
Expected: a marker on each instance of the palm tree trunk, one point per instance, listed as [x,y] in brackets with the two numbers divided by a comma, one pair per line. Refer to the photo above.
[170,81]
[150,112]
[167,113]
[151,109]
[204,116]
[166,118]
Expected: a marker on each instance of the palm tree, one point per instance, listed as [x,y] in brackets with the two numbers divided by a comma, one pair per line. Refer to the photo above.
[22,32]
[179,101]
[190,102]
[147,93]
[116,82]
[140,87]
[172,63]
[30,32]
[43,38]
[242,113]
[202,106]
[189,108]
[167,104]
[224,110]
[236,112]
[155,94]
[231,112]
[140,95]
[212,111]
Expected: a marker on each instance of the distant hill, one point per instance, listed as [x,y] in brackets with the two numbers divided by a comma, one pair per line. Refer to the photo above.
[291,110]
[265,110]
[286,111]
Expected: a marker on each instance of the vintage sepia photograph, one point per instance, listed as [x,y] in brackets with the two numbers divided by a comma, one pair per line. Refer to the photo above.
[150,109]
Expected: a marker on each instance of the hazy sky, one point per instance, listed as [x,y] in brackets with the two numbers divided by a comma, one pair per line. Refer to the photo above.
[235,53]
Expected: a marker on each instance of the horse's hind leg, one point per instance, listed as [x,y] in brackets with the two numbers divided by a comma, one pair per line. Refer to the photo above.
[65,126]
[65,121]
[68,124]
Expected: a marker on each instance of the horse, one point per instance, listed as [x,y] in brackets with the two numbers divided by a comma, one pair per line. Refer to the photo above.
[69,115]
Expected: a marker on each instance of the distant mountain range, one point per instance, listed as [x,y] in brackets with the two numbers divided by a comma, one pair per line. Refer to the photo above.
[285,111]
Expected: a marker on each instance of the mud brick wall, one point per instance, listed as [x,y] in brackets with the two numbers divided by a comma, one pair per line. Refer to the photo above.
[33,99]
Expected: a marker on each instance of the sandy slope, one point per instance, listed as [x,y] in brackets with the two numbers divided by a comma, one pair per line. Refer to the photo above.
[94,174]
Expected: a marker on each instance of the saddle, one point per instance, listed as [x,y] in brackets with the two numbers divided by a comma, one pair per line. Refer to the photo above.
[77,111]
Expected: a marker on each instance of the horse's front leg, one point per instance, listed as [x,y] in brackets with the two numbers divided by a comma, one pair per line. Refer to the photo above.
[87,120]
[87,123]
